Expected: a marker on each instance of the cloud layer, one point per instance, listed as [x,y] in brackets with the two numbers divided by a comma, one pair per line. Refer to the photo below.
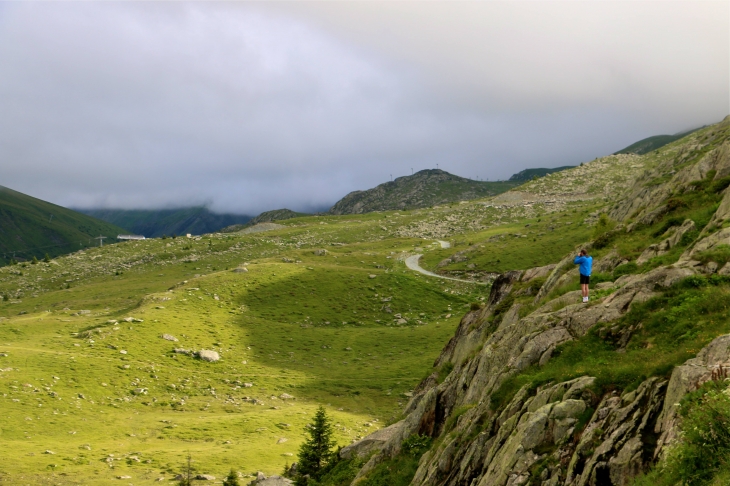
[250,107]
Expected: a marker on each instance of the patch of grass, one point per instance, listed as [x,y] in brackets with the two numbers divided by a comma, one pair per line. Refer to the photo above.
[451,421]
[719,254]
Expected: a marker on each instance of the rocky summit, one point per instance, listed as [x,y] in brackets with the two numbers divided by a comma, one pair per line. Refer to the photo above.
[423,189]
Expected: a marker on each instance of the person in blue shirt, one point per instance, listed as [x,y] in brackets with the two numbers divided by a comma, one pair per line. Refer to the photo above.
[586,265]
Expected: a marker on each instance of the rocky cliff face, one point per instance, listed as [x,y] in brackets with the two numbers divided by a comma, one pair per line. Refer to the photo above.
[563,433]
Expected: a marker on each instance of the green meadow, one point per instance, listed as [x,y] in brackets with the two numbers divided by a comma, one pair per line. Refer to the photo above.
[91,392]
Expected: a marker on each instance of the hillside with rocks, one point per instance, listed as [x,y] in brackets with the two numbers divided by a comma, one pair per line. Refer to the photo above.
[423,189]
[537,388]
[646,145]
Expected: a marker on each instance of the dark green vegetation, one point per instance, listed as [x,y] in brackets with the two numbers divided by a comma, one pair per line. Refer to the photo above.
[31,228]
[169,222]
[421,190]
[317,451]
[702,456]
[650,144]
[397,471]
[529,174]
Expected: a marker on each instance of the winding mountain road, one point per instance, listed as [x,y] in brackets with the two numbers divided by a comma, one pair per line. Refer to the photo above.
[412,263]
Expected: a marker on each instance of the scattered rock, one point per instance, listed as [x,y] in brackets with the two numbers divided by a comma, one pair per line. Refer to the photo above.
[372,276]
[285,396]
[169,337]
[205,477]
[208,355]
[321,252]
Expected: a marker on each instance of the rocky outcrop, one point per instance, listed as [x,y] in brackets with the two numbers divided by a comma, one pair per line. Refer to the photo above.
[711,363]
[489,449]
[537,272]
[658,249]
[676,173]
[375,441]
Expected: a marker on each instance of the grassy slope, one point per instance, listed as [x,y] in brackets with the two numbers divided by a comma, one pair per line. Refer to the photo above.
[156,223]
[272,317]
[26,227]
[649,144]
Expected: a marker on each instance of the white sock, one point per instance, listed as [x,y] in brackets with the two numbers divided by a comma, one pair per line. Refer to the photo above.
[585,299]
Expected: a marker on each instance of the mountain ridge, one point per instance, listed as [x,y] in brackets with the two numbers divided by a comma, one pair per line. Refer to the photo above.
[155,223]
[425,188]
[31,227]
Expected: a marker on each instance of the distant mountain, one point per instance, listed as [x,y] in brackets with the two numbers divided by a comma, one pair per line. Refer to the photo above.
[652,143]
[30,227]
[265,217]
[529,174]
[422,189]
[160,222]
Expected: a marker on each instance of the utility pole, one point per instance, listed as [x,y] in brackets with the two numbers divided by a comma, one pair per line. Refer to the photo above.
[49,219]
[411,170]
[101,240]
[391,177]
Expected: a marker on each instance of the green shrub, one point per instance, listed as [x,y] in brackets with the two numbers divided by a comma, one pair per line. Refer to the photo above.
[719,185]
[625,269]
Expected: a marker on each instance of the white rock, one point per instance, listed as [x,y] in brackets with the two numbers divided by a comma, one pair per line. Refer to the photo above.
[169,337]
[208,355]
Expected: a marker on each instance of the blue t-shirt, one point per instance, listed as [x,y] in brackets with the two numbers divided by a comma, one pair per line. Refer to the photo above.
[586,264]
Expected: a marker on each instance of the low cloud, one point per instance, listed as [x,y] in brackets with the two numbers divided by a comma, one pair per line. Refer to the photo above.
[250,107]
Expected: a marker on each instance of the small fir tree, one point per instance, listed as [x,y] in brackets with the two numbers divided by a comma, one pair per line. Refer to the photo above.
[34,261]
[47,259]
[231,479]
[316,452]
[187,475]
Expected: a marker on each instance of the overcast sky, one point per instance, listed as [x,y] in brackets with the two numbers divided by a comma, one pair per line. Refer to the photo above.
[254,106]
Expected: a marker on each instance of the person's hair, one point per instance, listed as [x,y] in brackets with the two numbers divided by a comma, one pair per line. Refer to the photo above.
[583,252]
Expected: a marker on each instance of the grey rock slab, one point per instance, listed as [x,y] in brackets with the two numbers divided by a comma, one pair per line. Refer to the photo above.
[208,355]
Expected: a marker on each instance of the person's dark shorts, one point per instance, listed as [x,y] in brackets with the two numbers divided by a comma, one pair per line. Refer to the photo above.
[585,279]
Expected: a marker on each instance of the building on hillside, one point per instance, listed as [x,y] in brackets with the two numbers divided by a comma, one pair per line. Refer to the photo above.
[130,237]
